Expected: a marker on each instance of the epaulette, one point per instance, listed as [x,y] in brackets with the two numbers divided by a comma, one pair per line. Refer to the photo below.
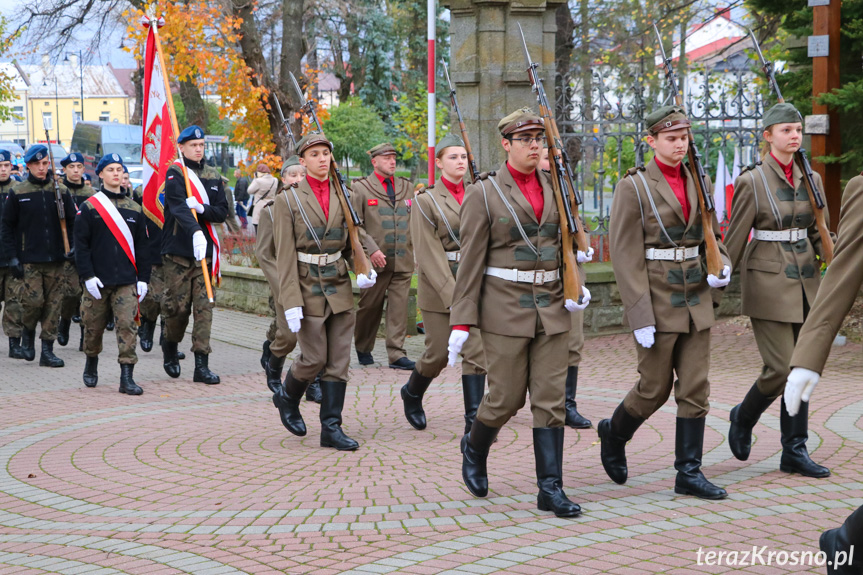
[751,166]
[269,203]
[634,170]
[485,175]
[420,188]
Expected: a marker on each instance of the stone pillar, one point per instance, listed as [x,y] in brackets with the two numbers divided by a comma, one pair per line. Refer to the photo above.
[488,67]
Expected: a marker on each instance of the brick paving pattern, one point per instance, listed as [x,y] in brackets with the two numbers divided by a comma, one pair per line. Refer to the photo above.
[202,479]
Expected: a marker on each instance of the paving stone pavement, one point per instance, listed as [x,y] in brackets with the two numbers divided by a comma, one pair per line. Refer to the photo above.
[202,479]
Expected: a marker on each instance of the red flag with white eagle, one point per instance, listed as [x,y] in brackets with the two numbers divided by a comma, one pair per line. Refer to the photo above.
[159,147]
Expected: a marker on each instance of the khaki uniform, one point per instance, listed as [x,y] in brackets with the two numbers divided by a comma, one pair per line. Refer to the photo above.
[435,219]
[184,293]
[779,279]
[842,283]
[323,291]
[282,339]
[386,227]
[525,327]
[673,296]
[117,301]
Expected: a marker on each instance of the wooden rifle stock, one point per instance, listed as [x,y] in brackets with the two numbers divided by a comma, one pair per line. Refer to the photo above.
[58,198]
[362,265]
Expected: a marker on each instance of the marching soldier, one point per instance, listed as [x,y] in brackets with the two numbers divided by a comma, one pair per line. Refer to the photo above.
[780,275]
[31,234]
[8,279]
[185,242]
[435,224]
[150,306]
[315,292]
[837,293]
[383,203]
[109,233]
[655,239]
[512,251]
[73,179]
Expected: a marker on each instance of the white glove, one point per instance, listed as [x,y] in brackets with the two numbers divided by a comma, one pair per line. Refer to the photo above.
[194,204]
[799,387]
[199,245]
[644,336]
[715,282]
[456,341]
[364,282]
[142,291]
[572,306]
[93,284]
[294,315]
[583,257]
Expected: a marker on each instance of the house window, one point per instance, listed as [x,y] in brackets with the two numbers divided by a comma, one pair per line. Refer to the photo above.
[18,115]
[47,120]
[105,117]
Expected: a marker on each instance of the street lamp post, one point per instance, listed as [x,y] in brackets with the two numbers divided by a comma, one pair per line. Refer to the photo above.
[81,74]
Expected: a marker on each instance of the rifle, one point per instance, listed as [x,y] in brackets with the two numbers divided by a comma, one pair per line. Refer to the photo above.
[705,200]
[362,265]
[285,122]
[471,162]
[816,200]
[58,195]
[559,184]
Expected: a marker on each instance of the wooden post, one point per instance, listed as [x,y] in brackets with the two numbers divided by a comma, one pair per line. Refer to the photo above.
[827,21]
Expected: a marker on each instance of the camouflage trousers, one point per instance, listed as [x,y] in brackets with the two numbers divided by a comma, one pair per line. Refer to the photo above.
[12,326]
[151,306]
[185,294]
[122,303]
[72,291]
[40,294]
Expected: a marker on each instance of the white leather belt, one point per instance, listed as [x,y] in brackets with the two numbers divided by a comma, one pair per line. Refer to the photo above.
[453,256]
[318,259]
[529,277]
[792,235]
[671,254]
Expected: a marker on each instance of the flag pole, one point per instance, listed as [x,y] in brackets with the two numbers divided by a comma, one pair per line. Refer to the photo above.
[432,20]
[154,26]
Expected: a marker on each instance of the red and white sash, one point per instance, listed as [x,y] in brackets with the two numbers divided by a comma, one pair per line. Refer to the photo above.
[116,224]
[200,193]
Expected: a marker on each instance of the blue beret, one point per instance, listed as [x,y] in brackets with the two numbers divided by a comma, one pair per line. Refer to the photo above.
[191,133]
[125,169]
[73,158]
[35,153]
[109,159]
[5,156]
[88,178]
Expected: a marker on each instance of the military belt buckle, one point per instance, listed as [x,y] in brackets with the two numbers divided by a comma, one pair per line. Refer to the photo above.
[679,255]
[538,278]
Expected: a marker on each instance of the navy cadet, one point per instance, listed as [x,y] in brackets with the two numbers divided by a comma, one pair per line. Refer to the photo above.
[8,280]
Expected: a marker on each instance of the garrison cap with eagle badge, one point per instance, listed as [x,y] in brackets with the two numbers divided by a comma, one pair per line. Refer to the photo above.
[666,119]
[191,133]
[520,120]
[35,153]
[108,159]
[73,158]
[382,150]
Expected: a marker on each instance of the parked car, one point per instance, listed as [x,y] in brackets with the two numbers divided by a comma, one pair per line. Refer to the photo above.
[95,139]
[136,177]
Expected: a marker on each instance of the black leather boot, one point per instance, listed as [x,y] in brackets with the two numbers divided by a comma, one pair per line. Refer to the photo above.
[573,419]
[81,341]
[146,333]
[472,388]
[412,397]
[48,359]
[689,445]
[127,384]
[265,353]
[63,331]
[169,358]
[332,403]
[15,351]
[162,339]
[743,418]
[274,368]
[287,401]
[548,451]
[795,457]
[202,370]
[313,392]
[28,344]
[91,371]
[474,450]
[840,545]
[110,325]
[614,433]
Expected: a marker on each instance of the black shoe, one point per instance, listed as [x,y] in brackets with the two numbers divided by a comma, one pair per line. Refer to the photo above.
[365,358]
[743,418]
[313,392]
[110,325]
[332,403]
[839,545]
[169,358]
[202,370]
[127,384]
[287,401]
[274,368]
[28,344]
[76,319]
[614,433]
[146,333]
[403,363]
[81,341]
[689,445]
[472,388]
[265,354]
[180,355]
[474,449]
[548,451]
[795,457]
[573,419]
[91,371]
[63,331]
[15,350]
[48,359]
[412,397]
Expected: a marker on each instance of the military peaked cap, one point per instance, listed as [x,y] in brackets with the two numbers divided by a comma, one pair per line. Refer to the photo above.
[382,150]
[310,140]
[520,120]
[666,119]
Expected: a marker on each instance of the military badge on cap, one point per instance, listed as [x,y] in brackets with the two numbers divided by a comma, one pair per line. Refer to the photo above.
[35,153]
[520,120]
[382,150]
[666,119]
[73,158]
[191,133]
[107,160]
[310,140]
